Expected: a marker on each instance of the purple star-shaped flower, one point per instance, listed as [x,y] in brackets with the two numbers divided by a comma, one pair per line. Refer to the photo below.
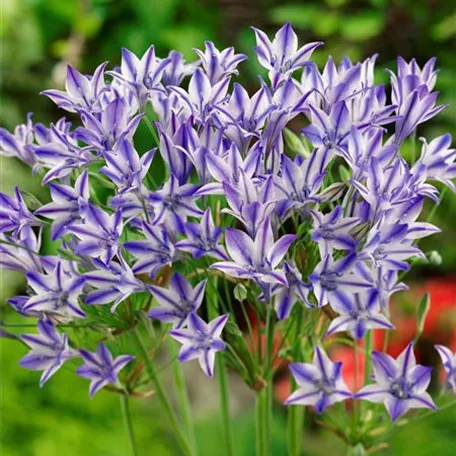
[153,253]
[20,143]
[255,258]
[218,64]
[287,296]
[69,205]
[98,236]
[101,368]
[300,181]
[141,76]
[57,293]
[449,364]
[103,130]
[244,117]
[201,340]
[125,167]
[114,284]
[177,69]
[49,350]
[330,131]
[282,56]
[175,203]
[357,314]
[400,383]
[14,214]
[320,383]
[82,92]
[178,301]
[20,253]
[202,96]
[203,239]
[332,231]
[333,281]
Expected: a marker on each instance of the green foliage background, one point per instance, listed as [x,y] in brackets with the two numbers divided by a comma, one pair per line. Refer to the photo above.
[39,36]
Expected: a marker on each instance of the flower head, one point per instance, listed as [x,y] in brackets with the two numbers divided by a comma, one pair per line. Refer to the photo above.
[449,364]
[320,383]
[399,383]
[201,340]
[178,301]
[49,350]
[101,368]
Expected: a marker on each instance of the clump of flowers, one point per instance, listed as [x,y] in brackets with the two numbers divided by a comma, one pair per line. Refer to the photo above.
[230,213]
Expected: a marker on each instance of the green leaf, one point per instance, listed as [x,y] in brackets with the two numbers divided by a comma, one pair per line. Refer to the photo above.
[327,23]
[302,16]
[444,29]
[295,143]
[363,26]
[344,173]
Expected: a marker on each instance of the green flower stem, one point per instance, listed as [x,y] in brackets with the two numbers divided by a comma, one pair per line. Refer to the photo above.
[183,399]
[259,423]
[367,357]
[222,374]
[295,419]
[161,394]
[125,407]
[268,390]
[296,413]
[225,404]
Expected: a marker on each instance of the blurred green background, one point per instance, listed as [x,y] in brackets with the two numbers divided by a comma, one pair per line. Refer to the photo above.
[39,37]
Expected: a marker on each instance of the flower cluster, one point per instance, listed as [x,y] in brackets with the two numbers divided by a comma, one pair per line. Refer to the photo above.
[318,223]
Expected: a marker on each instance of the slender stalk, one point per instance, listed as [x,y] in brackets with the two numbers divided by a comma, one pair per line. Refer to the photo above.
[161,394]
[259,424]
[183,400]
[367,357]
[386,340]
[225,405]
[222,374]
[124,404]
[356,404]
[295,414]
[268,374]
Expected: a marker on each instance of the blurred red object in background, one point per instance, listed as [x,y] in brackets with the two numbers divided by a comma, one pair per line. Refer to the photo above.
[439,328]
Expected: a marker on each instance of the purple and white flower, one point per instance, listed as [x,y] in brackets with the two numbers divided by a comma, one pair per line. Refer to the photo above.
[201,340]
[114,284]
[399,383]
[49,350]
[282,56]
[320,383]
[56,293]
[203,239]
[449,364]
[357,314]
[153,253]
[255,258]
[178,301]
[69,205]
[101,368]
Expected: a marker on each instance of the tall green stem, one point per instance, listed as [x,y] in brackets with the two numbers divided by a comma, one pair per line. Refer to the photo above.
[295,414]
[295,421]
[183,400]
[161,394]
[260,405]
[124,404]
[225,405]
[222,374]
[264,397]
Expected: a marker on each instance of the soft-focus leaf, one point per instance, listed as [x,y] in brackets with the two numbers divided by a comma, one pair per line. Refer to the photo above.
[362,26]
